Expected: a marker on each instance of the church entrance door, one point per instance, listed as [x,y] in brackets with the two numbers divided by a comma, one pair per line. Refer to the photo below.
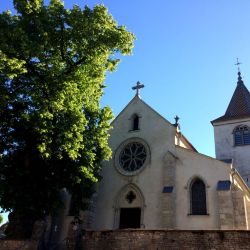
[130,218]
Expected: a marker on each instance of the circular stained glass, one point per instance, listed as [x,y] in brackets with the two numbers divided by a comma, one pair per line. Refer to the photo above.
[132,156]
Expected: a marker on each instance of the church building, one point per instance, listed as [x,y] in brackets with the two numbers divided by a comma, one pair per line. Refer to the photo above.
[156,179]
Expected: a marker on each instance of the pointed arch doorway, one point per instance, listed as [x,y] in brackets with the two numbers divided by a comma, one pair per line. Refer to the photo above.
[129,208]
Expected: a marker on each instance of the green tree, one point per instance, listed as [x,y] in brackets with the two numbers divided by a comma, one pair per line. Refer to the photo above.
[53,131]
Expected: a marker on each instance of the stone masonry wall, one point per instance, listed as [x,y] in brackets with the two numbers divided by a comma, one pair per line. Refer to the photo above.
[166,239]
[239,209]
[226,211]
[149,240]
[18,244]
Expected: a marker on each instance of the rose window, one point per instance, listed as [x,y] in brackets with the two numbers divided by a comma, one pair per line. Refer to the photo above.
[133,156]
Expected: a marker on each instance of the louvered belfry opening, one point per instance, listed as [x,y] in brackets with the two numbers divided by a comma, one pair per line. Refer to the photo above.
[241,135]
[198,198]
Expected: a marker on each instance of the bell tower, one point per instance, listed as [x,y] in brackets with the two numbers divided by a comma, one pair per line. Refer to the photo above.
[232,131]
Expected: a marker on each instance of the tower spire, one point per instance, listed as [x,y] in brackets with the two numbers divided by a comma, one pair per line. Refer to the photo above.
[239,105]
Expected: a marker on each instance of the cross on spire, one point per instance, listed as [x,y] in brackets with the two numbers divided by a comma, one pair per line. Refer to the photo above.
[237,64]
[239,73]
[138,87]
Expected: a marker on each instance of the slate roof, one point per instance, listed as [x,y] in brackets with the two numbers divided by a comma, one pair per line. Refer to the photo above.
[239,106]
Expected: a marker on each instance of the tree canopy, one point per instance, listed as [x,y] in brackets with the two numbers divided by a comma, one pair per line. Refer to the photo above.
[53,132]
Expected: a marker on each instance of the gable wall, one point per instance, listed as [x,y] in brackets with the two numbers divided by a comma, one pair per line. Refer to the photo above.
[159,135]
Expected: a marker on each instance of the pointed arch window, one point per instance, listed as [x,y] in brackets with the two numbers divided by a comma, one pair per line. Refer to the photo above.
[198,197]
[135,122]
[241,135]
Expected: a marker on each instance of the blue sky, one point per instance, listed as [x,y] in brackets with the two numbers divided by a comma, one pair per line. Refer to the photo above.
[184,55]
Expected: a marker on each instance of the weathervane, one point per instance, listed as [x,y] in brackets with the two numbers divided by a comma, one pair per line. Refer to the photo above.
[239,73]
[138,87]
[237,64]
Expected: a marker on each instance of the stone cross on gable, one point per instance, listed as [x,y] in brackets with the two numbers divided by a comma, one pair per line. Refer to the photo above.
[138,87]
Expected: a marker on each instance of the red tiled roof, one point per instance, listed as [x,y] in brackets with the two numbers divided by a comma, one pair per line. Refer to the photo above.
[239,106]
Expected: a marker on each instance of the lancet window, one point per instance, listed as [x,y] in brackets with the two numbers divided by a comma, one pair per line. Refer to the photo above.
[198,197]
[135,122]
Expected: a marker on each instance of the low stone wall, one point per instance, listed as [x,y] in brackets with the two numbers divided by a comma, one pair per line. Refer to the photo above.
[18,244]
[166,239]
[149,240]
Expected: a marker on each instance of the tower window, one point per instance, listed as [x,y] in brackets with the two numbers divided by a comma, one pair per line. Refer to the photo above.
[241,135]
[135,122]
[198,198]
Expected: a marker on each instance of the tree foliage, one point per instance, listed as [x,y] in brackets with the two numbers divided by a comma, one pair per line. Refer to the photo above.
[53,131]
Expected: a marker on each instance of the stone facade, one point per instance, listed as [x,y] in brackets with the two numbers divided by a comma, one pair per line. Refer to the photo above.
[147,189]
[162,187]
